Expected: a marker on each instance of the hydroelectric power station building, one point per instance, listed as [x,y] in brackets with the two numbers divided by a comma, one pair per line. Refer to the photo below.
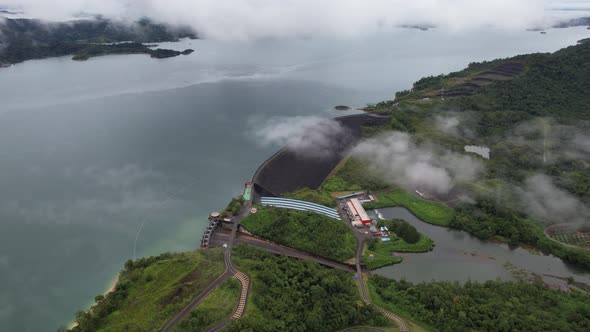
[355,206]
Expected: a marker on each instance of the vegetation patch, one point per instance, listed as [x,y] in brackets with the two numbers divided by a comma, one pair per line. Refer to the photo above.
[217,307]
[318,196]
[571,234]
[289,294]
[378,254]
[489,306]
[88,51]
[353,175]
[307,231]
[234,207]
[151,291]
[401,228]
[431,212]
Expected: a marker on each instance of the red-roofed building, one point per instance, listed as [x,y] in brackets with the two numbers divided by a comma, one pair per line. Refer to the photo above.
[359,211]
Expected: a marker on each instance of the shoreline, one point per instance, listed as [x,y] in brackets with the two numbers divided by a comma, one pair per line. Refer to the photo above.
[106,293]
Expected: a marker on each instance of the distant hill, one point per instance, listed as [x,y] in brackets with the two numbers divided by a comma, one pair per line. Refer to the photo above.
[25,39]
[575,22]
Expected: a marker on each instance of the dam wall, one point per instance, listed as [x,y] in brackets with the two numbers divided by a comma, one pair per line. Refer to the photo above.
[290,169]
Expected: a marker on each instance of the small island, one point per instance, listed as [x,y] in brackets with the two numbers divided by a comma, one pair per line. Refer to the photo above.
[126,48]
[27,39]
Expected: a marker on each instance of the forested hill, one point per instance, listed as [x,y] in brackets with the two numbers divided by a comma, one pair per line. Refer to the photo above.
[533,113]
[543,84]
[575,22]
[25,39]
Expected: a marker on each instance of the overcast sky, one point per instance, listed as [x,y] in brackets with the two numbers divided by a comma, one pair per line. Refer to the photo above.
[248,19]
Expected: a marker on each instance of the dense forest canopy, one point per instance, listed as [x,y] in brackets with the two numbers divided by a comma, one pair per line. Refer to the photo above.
[489,306]
[297,295]
[307,231]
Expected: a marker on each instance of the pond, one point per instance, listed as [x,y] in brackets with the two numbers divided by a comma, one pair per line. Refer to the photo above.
[480,150]
[459,256]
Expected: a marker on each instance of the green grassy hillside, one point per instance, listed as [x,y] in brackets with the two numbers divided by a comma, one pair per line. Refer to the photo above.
[307,231]
[218,306]
[151,291]
[432,212]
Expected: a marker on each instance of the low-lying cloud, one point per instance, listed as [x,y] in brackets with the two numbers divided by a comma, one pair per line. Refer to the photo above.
[454,124]
[401,160]
[547,203]
[447,124]
[548,141]
[555,142]
[309,136]
[259,19]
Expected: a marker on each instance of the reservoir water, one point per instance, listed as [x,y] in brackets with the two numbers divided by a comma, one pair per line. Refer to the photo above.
[124,156]
[459,256]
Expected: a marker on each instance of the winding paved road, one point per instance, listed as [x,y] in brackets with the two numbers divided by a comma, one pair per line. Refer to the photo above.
[359,272]
[230,271]
[360,238]
[275,248]
[198,299]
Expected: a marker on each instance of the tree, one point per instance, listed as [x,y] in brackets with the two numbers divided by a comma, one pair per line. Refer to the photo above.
[406,231]
[99,298]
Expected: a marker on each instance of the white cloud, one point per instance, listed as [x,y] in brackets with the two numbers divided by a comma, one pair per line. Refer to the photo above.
[402,161]
[544,201]
[307,135]
[447,124]
[249,19]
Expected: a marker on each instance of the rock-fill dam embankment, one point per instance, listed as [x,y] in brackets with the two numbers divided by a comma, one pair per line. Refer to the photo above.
[296,166]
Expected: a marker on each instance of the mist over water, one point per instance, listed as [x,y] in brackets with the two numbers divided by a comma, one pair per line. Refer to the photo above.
[91,151]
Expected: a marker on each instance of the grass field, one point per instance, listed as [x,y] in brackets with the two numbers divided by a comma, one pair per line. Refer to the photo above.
[431,212]
[218,306]
[383,251]
[307,231]
[152,290]
[314,196]
[352,174]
